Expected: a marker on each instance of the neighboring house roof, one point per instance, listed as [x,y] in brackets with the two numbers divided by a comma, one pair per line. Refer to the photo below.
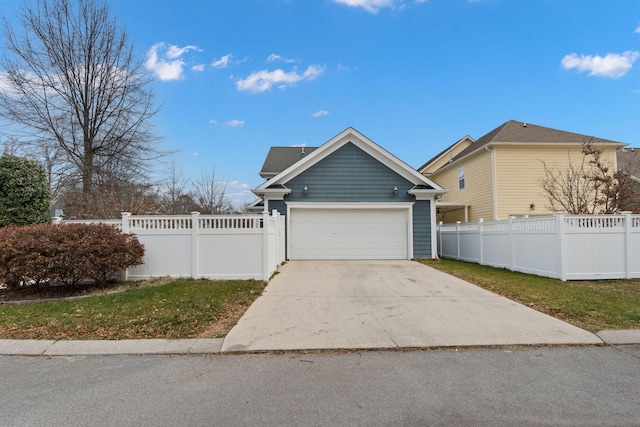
[444,153]
[515,132]
[422,183]
[280,158]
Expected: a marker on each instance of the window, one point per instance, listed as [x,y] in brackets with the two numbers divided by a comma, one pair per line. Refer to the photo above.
[461,179]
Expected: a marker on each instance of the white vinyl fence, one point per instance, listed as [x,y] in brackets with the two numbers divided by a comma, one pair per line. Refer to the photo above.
[206,246]
[565,247]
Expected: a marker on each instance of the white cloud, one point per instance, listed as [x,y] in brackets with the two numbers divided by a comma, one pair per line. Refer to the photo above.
[222,62]
[176,52]
[234,123]
[298,145]
[261,81]
[237,193]
[273,57]
[612,65]
[238,185]
[637,30]
[198,68]
[231,123]
[372,6]
[166,62]
[320,113]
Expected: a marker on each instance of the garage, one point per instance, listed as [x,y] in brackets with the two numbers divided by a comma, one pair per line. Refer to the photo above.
[349,233]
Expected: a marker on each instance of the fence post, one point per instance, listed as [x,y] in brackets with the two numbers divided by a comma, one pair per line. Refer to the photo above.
[458,240]
[195,231]
[560,227]
[279,236]
[512,243]
[480,240]
[265,245]
[439,238]
[627,244]
[126,228]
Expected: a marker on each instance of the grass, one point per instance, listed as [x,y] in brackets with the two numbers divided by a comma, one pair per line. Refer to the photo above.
[179,309]
[591,305]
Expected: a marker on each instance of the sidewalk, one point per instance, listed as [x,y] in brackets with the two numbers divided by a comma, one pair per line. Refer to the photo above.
[109,347]
[184,346]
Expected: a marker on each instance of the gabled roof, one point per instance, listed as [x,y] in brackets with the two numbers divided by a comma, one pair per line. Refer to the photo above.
[335,143]
[280,158]
[515,132]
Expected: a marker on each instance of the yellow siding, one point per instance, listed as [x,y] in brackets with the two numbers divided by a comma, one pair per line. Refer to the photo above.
[518,171]
[477,191]
[457,149]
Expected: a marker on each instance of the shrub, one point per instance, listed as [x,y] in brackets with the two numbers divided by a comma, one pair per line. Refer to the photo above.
[67,253]
[24,192]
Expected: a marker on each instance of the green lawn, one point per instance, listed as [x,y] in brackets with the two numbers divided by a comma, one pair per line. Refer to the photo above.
[180,309]
[592,305]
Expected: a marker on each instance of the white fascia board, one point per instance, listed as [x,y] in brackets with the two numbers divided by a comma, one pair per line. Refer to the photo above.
[271,193]
[362,142]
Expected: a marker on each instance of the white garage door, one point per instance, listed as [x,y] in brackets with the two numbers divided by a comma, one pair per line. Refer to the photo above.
[348,234]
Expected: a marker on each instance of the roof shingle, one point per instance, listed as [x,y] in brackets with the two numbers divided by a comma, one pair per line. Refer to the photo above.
[280,158]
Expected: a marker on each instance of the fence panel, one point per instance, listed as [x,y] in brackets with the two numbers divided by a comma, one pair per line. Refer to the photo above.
[566,247]
[205,246]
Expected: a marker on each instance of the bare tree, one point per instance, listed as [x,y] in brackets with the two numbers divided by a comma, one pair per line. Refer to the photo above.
[175,198]
[209,194]
[72,81]
[110,199]
[589,186]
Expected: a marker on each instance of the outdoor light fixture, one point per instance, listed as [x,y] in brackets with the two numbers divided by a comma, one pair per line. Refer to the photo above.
[395,190]
[305,190]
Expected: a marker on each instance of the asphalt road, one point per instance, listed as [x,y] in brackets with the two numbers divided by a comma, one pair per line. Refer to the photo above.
[577,386]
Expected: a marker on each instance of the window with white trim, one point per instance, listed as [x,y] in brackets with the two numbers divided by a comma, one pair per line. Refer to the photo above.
[461,178]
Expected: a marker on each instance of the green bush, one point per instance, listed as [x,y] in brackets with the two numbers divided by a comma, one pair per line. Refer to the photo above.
[65,253]
[24,192]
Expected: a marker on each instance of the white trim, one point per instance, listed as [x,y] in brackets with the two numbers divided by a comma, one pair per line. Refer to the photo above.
[425,194]
[358,205]
[349,205]
[272,193]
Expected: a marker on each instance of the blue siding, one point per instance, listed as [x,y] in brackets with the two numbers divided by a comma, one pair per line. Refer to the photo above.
[422,229]
[349,175]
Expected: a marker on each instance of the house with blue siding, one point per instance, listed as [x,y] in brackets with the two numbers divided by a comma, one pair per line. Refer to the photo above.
[350,199]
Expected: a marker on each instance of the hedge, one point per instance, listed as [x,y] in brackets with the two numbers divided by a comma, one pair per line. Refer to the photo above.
[65,253]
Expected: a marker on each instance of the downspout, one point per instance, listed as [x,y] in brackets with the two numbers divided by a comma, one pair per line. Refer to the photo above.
[494,183]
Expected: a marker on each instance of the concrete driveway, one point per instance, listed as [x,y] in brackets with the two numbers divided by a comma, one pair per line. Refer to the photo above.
[387,304]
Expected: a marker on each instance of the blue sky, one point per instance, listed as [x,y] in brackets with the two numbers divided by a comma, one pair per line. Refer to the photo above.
[238,76]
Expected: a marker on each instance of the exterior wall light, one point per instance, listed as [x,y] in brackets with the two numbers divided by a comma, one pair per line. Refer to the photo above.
[305,190]
[395,190]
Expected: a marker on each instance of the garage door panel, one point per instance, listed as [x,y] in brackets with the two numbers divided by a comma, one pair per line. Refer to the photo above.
[348,233]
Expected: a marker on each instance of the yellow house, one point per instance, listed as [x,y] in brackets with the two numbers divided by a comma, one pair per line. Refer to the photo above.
[498,175]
